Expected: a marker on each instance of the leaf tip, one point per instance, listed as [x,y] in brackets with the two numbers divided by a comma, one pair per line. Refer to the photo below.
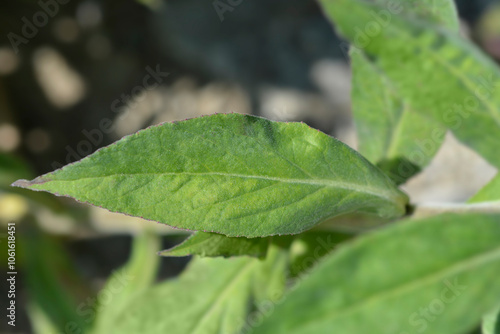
[27,184]
[161,253]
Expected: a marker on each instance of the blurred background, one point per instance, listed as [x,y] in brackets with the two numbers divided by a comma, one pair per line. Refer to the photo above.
[76,75]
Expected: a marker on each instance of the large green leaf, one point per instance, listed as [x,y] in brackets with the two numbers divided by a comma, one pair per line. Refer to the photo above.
[213,244]
[213,296]
[233,174]
[439,73]
[415,276]
[490,193]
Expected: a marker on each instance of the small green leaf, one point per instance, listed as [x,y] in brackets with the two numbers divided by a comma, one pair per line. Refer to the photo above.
[491,322]
[414,276]
[130,281]
[232,174]
[392,135]
[439,73]
[213,296]
[212,245]
[311,246]
[490,193]
[40,321]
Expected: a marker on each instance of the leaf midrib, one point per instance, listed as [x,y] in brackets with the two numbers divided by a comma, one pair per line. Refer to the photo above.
[381,192]
[454,269]
[396,125]
[396,133]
